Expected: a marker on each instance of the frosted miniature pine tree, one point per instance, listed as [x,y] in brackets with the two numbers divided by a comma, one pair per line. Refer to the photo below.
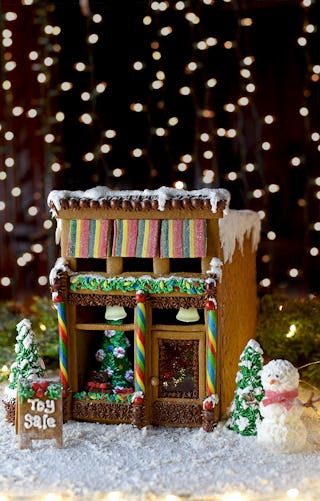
[28,364]
[244,411]
[114,359]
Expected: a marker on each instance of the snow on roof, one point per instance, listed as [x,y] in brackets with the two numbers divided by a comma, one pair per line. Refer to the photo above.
[161,195]
[234,226]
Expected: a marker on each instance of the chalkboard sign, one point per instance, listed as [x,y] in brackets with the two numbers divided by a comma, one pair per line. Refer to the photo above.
[39,412]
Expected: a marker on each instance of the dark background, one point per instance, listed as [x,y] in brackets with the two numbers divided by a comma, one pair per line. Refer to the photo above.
[285,79]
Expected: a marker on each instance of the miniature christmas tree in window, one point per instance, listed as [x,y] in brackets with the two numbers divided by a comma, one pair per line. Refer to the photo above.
[244,410]
[28,364]
[115,366]
[114,359]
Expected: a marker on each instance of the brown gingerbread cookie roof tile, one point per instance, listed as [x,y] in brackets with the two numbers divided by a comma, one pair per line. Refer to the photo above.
[162,199]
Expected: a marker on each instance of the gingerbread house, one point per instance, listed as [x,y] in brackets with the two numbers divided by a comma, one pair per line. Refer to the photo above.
[171,275]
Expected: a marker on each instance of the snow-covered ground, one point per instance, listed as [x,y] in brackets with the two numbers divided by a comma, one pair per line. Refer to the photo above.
[119,462]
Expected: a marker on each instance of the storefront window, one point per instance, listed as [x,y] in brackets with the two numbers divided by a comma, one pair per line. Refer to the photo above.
[178,368]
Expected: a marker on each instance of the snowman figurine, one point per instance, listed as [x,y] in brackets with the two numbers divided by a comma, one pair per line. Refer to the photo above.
[281,428]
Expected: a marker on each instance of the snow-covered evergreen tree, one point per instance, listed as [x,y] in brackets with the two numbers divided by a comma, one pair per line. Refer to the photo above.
[28,364]
[244,410]
[114,358]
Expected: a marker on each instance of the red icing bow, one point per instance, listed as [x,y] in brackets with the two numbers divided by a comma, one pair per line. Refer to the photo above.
[284,398]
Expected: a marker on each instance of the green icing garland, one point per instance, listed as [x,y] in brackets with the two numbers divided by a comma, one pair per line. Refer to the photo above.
[149,285]
[39,389]
[83,395]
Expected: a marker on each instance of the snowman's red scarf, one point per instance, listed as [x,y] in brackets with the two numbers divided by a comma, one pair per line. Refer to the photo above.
[284,398]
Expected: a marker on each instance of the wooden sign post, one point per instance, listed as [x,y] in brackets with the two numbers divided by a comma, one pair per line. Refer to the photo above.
[39,412]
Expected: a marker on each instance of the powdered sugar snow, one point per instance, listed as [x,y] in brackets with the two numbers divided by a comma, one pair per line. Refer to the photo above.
[120,462]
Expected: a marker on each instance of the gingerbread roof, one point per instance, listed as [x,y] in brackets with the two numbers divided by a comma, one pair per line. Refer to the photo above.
[162,199]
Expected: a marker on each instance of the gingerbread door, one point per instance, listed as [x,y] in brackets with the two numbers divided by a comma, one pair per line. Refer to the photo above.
[177,382]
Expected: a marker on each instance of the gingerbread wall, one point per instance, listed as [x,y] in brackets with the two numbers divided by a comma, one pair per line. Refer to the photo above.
[237,316]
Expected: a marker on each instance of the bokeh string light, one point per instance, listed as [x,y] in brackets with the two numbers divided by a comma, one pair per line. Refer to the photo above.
[173,93]
[309,200]
[27,145]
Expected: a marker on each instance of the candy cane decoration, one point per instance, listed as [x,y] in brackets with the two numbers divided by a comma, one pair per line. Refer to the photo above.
[140,342]
[63,350]
[211,346]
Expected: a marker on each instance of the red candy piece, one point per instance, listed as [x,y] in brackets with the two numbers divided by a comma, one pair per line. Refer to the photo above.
[210,305]
[138,401]
[140,297]
[208,406]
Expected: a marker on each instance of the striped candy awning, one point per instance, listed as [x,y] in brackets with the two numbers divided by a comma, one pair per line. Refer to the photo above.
[135,238]
[97,238]
[148,238]
[183,238]
[89,238]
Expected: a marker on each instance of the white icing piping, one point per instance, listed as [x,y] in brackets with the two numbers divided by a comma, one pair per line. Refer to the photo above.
[60,265]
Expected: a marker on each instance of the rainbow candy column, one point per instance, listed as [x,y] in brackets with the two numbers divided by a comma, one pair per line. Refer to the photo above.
[139,365]
[63,350]
[211,347]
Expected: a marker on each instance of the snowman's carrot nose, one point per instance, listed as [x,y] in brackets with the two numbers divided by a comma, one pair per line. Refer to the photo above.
[272,381]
